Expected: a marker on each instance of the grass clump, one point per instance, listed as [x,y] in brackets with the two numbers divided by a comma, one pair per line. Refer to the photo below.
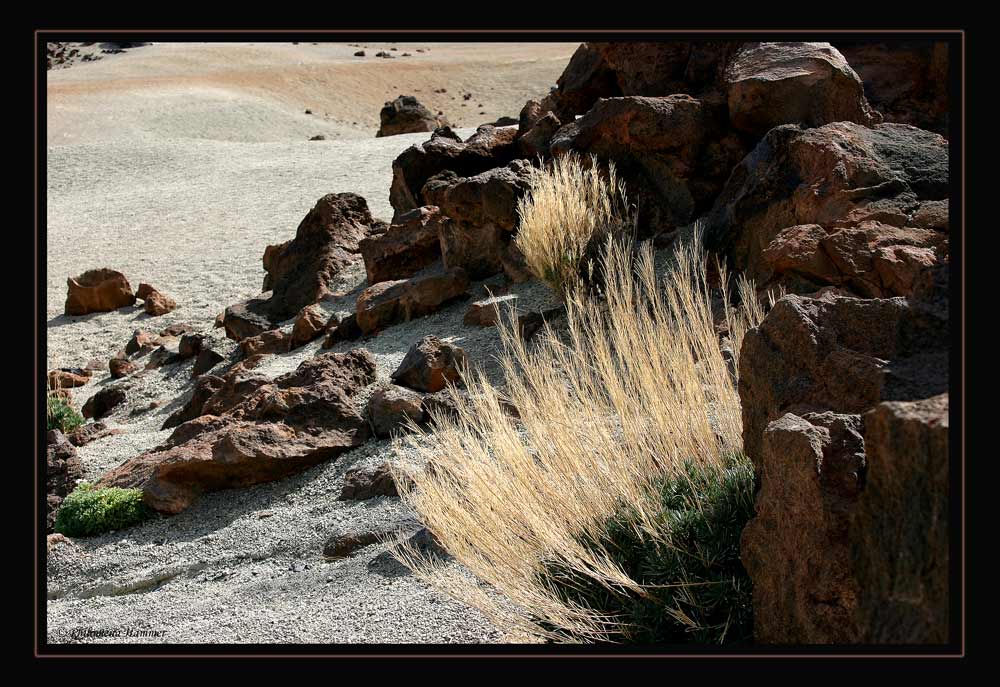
[61,415]
[89,511]
[610,508]
[566,216]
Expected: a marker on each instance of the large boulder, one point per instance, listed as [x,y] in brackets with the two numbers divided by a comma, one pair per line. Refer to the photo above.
[480,216]
[276,429]
[392,407]
[63,469]
[104,401]
[389,302]
[100,290]
[674,153]
[489,147]
[302,271]
[906,81]
[409,245]
[430,365]
[852,474]
[248,318]
[405,115]
[843,205]
[810,84]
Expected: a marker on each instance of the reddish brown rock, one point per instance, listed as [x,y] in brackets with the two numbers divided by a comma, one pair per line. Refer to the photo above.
[63,469]
[430,365]
[487,312]
[409,245]
[204,388]
[274,341]
[284,426]
[481,216]
[877,193]
[405,115]
[190,345]
[811,84]
[535,141]
[346,330]
[92,431]
[121,367]
[104,401]
[390,408]
[247,319]
[310,324]
[68,378]
[302,271]
[389,302]
[99,290]
[489,147]
[368,482]
[158,304]
[206,360]
[906,81]
[141,341]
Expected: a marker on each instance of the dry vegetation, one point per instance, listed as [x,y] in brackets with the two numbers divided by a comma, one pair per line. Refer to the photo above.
[633,396]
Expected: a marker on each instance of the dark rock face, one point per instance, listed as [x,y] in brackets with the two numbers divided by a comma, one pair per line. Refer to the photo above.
[204,388]
[68,378]
[104,401]
[480,216]
[101,290]
[310,324]
[246,319]
[389,302]
[674,153]
[92,431]
[367,483]
[430,364]
[907,81]
[121,367]
[63,469]
[391,407]
[274,429]
[811,84]
[206,360]
[880,218]
[300,272]
[405,115]
[852,470]
[409,245]
[489,147]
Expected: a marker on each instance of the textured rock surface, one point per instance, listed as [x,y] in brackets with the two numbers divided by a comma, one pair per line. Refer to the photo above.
[99,290]
[409,245]
[63,469]
[405,115]
[104,401]
[430,365]
[389,302]
[390,408]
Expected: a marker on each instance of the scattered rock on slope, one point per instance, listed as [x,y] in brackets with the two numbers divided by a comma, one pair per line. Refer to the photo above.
[63,469]
[100,290]
[430,364]
[409,245]
[389,302]
[390,408]
[405,115]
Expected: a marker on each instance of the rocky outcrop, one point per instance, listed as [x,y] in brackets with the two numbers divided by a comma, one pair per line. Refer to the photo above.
[906,81]
[405,115]
[430,365]
[300,272]
[480,216]
[489,147]
[273,430]
[842,205]
[101,290]
[274,341]
[391,407]
[63,469]
[389,302]
[310,324]
[811,84]
[409,245]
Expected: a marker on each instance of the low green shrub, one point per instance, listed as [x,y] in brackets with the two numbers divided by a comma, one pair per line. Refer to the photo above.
[89,511]
[61,415]
[696,589]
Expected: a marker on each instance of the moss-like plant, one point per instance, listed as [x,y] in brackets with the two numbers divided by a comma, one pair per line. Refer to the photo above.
[89,511]
[61,415]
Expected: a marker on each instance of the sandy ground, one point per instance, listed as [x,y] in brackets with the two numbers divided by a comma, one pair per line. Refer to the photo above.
[177,164]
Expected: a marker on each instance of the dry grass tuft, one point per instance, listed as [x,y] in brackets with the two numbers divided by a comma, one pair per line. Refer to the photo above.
[565,218]
[636,390]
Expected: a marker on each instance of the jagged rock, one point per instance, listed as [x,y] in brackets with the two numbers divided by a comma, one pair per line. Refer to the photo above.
[811,84]
[430,365]
[204,388]
[155,303]
[100,290]
[409,245]
[167,353]
[206,360]
[489,147]
[246,319]
[489,311]
[879,196]
[92,431]
[190,345]
[63,469]
[310,324]
[367,483]
[674,153]
[481,214]
[121,367]
[346,330]
[68,378]
[390,407]
[104,401]
[389,302]
[301,272]
[280,427]
[906,81]
[535,141]
[405,115]
[274,341]
[141,340]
